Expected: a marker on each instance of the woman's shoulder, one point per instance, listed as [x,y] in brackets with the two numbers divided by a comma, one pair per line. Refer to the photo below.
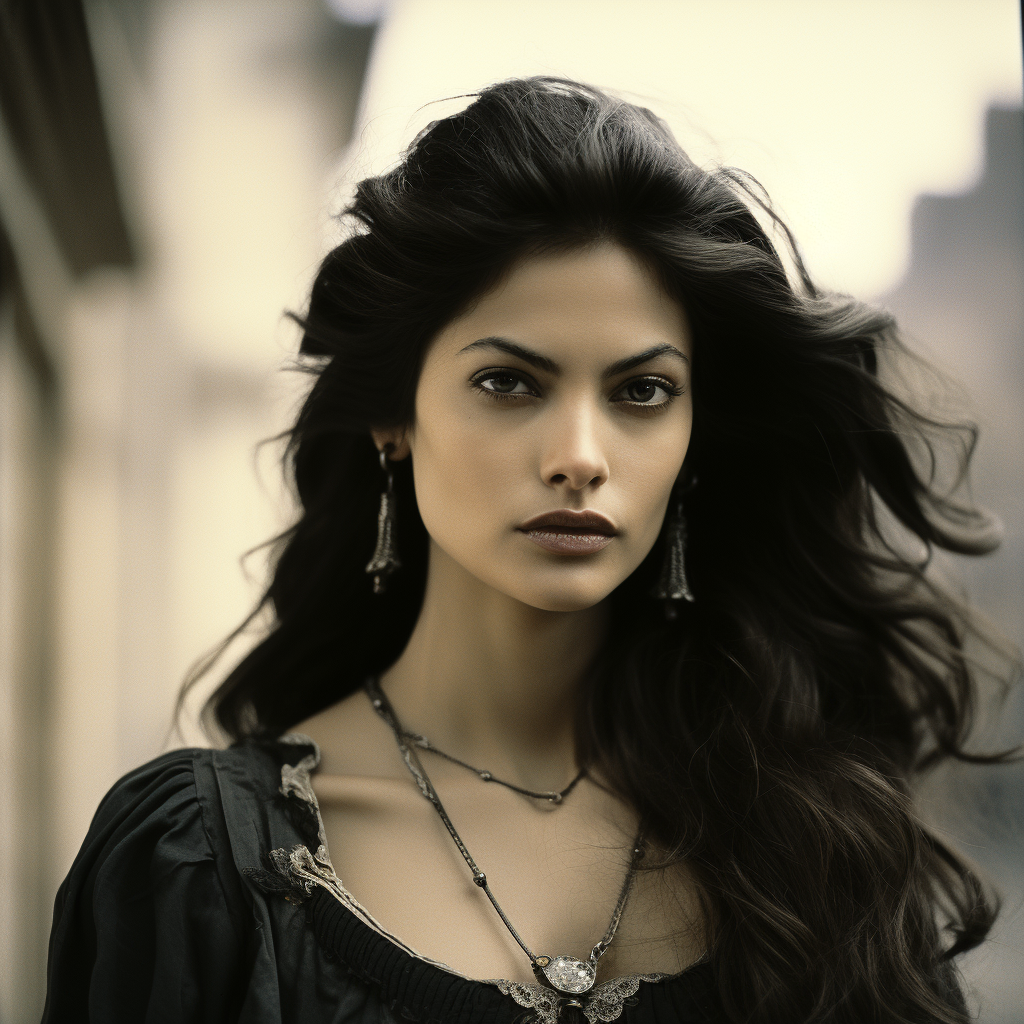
[193,811]
[351,740]
[158,893]
[153,806]
[206,799]
[162,786]
[253,764]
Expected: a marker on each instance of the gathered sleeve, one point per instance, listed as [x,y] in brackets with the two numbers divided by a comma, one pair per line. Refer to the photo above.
[151,923]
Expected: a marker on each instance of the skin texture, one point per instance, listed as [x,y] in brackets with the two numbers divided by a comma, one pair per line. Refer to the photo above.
[508,627]
[490,452]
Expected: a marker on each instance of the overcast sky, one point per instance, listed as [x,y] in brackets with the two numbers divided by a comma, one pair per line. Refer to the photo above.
[844,109]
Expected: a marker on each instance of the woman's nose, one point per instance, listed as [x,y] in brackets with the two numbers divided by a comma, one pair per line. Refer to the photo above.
[573,455]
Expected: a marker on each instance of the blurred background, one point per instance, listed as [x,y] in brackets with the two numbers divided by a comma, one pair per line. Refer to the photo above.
[169,172]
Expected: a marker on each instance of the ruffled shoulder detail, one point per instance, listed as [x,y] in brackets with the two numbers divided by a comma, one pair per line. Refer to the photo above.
[151,915]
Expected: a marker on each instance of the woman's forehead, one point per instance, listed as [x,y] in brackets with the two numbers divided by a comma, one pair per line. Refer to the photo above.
[600,302]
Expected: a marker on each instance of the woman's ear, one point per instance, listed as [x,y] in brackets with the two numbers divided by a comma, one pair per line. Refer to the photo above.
[395,437]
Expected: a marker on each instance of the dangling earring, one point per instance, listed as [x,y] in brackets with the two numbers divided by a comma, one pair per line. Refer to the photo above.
[385,557]
[672,584]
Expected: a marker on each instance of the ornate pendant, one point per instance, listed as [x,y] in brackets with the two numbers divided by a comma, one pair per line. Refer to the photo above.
[568,974]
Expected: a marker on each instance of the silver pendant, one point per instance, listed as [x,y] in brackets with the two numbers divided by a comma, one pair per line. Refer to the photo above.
[568,974]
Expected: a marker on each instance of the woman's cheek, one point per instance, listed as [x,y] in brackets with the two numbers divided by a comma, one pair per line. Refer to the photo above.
[456,473]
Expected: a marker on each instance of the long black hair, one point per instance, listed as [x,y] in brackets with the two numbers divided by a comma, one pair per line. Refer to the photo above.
[770,734]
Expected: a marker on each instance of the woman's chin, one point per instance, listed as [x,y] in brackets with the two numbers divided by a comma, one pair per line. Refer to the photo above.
[565,598]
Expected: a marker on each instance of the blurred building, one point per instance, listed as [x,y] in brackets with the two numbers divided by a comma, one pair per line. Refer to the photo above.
[961,303]
[139,370]
[61,220]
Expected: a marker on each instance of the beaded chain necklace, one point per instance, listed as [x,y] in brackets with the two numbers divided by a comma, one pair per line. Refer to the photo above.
[566,974]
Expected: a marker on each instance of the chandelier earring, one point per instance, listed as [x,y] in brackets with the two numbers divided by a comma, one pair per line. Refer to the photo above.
[385,554]
[672,584]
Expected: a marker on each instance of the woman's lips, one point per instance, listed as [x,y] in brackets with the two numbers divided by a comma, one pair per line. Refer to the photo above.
[570,532]
[567,541]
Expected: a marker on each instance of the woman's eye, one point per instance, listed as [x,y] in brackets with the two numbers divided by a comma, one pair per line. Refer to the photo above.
[649,391]
[502,384]
[645,392]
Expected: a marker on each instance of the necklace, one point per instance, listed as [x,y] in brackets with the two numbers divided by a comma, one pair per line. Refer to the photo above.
[550,795]
[566,974]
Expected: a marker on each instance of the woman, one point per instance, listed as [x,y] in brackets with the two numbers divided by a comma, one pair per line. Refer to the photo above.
[601,664]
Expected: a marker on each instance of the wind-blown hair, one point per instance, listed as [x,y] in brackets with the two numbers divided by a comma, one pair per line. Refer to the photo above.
[770,734]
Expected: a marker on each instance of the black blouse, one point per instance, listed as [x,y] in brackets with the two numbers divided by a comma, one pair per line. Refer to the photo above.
[203,892]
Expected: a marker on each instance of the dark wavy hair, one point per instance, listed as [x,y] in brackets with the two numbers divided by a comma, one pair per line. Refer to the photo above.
[770,734]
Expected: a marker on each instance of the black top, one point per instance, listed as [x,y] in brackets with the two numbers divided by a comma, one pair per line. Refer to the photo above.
[202,893]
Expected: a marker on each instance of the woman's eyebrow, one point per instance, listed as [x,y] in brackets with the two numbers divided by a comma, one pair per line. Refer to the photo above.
[642,357]
[549,365]
[526,354]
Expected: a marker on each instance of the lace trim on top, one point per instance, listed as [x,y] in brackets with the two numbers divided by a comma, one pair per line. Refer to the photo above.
[316,869]
[307,870]
[604,1002]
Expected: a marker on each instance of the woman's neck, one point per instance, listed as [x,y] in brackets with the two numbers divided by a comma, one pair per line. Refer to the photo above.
[492,680]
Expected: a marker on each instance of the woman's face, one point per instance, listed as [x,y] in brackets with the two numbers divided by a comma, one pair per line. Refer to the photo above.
[566,389]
